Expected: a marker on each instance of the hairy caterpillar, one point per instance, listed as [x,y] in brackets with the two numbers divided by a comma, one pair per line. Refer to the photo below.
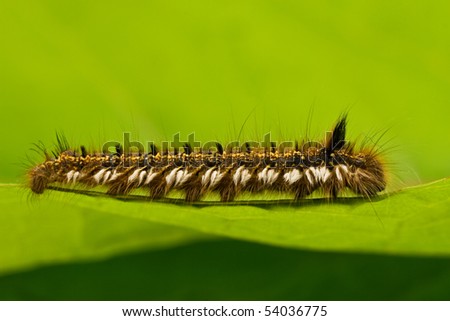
[331,167]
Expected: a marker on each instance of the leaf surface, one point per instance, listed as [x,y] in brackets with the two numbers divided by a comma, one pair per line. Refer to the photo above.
[64,226]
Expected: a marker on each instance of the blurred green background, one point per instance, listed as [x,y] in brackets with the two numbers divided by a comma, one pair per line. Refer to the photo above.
[155,68]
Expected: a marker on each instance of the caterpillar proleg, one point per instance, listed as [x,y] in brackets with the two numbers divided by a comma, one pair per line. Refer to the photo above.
[331,166]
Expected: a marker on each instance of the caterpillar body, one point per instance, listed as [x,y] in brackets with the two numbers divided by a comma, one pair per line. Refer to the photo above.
[331,167]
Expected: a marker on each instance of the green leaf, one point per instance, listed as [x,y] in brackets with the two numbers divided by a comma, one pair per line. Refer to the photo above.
[235,270]
[57,229]
[65,226]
